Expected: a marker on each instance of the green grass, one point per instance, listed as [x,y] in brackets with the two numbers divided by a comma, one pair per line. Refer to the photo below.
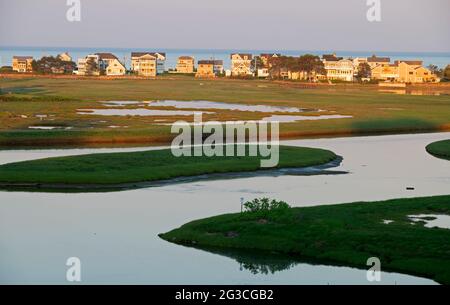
[373,112]
[440,149]
[345,234]
[155,165]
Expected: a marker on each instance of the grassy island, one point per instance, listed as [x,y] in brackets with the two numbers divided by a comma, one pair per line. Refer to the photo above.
[345,234]
[133,167]
[440,149]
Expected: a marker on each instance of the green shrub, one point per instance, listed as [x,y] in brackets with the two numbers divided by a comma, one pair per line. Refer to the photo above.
[265,204]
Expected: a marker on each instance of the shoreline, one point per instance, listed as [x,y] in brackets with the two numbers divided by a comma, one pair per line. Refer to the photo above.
[52,143]
[321,169]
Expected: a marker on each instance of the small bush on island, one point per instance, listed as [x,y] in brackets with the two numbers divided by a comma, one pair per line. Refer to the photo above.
[265,204]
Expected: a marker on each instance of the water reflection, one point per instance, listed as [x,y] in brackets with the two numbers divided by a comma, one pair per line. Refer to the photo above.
[414,92]
[257,263]
[226,106]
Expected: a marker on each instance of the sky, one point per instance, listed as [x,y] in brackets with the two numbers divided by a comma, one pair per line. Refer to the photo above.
[405,26]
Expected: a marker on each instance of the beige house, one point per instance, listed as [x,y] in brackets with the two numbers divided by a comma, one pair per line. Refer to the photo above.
[385,72]
[115,68]
[338,68]
[146,65]
[105,59]
[22,64]
[241,64]
[185,64]
[159,64]
[205,68]
[65,56]
[374,61]
[412,71]
[404,71]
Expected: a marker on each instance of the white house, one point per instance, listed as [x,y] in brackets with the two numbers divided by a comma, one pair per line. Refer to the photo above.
[115,68]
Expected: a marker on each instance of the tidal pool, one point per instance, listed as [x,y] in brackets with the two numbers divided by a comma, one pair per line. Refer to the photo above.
[432,220]
[282,119]
[135,112]
[115,234]
[296,118]
[226,106]
[49,127]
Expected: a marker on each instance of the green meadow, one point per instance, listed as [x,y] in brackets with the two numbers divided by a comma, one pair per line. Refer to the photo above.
[374,112]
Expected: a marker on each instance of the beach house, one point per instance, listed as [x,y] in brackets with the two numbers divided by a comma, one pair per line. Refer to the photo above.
[115,68]
[338,68]
[241,64]
[22,64]
[185,64]
[205,68]
[160,59]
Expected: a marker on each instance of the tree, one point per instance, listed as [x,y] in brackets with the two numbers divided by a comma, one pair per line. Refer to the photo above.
[257,63]
[364,71]
[311,65]
[50,64]
[91,66]
[435,70]
[446,73]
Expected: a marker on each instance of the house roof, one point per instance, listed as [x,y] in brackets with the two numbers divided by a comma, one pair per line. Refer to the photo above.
[331,57]
[117,61]
[250,56]
[22,57]
[206,62]
[147,56]
[410,62]
[139,54]
[270,55]
[106,55]
[374,58]
[216,62]
[186,57]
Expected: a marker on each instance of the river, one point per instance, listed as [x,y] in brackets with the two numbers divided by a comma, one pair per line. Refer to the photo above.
[115,234]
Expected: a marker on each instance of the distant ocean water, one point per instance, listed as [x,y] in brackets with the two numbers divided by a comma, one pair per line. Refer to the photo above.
[441,59]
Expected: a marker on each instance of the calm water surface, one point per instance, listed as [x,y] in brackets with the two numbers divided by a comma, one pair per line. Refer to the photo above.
[115,234]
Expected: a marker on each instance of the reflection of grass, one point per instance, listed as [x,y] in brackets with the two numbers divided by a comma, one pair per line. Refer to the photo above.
[372,111]
[116,168]
[256,262]
[440,149]
[345,234]
[393,125]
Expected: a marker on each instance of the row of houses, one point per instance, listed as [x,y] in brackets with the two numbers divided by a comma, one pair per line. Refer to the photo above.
[148,64]
[379,68]
[151,64]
